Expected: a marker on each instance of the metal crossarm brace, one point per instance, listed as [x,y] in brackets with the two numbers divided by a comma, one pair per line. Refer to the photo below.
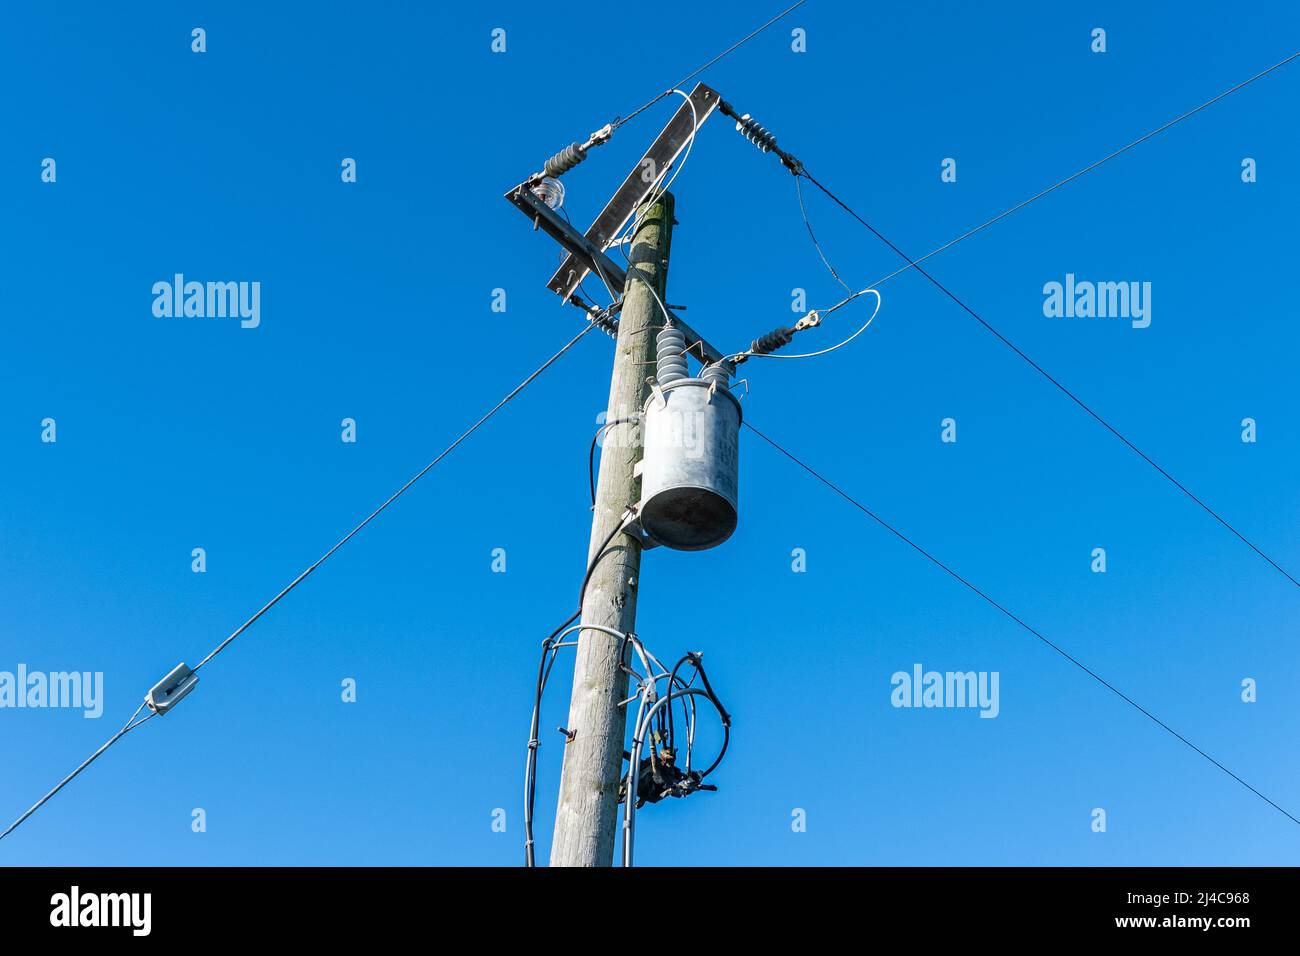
[586,256]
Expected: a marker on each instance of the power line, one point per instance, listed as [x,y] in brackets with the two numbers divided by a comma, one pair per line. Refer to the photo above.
[126,728]
[397,494]
[133,722]
[912,263]
[1047,375]
[1059,650]
[915,264]
[694,73]
[803,211]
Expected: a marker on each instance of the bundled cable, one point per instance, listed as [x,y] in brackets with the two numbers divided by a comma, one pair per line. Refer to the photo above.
[663,773]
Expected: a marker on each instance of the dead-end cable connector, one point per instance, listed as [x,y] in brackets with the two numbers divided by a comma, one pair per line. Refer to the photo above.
[571,155]
[604,318]
[760,136]
[778,338]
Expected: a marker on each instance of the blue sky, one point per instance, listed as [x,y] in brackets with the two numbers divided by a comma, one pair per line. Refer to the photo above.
[176,433]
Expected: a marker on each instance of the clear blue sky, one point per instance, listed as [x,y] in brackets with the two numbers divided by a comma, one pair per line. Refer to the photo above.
[183,433]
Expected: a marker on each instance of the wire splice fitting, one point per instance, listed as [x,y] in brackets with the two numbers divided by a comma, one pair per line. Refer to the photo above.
[169,691]
[810,320]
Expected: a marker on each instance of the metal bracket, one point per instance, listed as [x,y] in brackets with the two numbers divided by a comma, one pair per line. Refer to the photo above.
[657,391]
[587,252]
[634,528]
[588,255]
[663,152]
[169,691]
[584,255]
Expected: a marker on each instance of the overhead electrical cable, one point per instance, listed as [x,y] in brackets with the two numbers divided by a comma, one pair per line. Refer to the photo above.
[803,211]
[133,722]
[398,493]
[126,728]
[752,353]
[1061,387]
[696,72]
[915,264]
[1055,647]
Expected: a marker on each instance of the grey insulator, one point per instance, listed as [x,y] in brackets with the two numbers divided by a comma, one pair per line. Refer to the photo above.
[565,160]
[748,127]
[769,343]
[606,322]
[716,374]
[670,355]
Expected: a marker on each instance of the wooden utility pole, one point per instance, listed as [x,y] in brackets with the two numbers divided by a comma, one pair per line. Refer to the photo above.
[587,815]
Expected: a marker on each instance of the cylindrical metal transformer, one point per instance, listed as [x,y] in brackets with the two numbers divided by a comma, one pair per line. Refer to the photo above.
[690,468]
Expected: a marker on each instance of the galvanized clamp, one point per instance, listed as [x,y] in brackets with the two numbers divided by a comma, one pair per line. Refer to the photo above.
[173,688]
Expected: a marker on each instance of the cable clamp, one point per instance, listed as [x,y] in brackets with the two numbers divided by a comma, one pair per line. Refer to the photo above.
[809,321]
[600,137]
[169,691]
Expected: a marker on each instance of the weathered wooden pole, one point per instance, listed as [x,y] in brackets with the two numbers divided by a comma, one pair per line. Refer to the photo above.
[587,814]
